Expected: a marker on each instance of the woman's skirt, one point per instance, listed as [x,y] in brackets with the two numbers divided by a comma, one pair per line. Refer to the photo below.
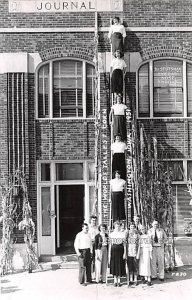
[119,126]
[132,264]
[117,81]
[117,42]
[118,163]
[144,262]
[118,207]
[117,264]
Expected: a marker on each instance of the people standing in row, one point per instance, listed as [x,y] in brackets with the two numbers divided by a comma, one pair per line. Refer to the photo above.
[83,248]
[118,70]
[101,254]
[117,35]
[118,149]
[117,186]
[159,239]
[132,248]
[117,118]
[117,253]
[144,255]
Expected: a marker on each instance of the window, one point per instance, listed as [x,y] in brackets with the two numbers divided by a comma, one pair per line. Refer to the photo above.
[165,89]
[176,168]
[69,171]
[66,89]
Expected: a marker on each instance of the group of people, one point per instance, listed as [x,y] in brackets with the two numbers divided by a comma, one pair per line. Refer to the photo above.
[134,252]
[117,119]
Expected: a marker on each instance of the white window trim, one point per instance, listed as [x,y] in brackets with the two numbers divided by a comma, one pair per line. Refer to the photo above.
[50,104]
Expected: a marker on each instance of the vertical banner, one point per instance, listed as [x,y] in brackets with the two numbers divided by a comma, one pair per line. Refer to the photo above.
[129,190]
[105,166]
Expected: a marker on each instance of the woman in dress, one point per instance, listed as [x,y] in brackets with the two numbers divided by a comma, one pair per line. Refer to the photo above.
[117,253]
[117,118]
[132,250]
[101,254]
[118,70]
[117,186]
[118,162]
[145,255]
[117,35]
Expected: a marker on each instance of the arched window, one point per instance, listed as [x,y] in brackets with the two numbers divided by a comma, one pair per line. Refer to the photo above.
[66,89]
[165,89]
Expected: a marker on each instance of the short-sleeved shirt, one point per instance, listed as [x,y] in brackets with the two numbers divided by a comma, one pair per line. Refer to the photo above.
[119,109]
[118,147]
[117,185]
[118,63]
[117,28]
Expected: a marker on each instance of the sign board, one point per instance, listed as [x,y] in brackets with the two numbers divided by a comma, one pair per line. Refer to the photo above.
[53,6]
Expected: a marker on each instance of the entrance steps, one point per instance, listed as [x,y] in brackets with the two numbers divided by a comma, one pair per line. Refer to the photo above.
[54,262]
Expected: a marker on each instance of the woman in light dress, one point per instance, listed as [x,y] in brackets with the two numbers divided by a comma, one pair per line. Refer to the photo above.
[144,255]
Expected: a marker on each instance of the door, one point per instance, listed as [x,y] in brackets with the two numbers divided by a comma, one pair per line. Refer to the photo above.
[70,215]
[47,220]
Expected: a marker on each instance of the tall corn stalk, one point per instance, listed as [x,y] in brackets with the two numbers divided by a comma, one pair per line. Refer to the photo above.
[8,220]
[153,181]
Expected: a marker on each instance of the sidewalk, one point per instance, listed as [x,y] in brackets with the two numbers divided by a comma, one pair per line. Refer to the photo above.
[63,284]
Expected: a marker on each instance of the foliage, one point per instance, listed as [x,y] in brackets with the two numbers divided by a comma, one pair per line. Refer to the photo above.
[8,220]
[153,185]
[13,191]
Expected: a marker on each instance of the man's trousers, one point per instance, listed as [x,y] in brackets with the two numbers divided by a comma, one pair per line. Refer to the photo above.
[157,262]
[84,265]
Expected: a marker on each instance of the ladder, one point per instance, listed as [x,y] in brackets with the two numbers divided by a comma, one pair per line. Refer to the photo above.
[128,162]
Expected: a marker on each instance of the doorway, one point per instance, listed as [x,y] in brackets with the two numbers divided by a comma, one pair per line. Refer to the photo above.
[70,216]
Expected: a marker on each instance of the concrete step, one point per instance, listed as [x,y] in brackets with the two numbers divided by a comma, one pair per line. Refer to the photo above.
[48,262]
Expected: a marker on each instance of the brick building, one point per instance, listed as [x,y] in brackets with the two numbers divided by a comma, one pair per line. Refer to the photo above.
[47,99]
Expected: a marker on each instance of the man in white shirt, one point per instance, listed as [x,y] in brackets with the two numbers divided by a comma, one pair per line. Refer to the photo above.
[159,238]
[83,248]
[93,231]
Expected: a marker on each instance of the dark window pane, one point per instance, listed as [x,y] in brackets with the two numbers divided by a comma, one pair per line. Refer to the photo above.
[177,169]
[46,206]
[90,90]
[189,89]
[91,171]
[189,170]
[144,91]
[71,171]
[45,172]
[168,88]
[43,92]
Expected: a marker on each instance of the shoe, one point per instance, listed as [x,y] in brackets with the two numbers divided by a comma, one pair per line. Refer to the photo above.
[161,279]
[130,283]
[119,284]
[83,284]
[154,278]
[115,285]
[149,283]
[135,283]
[144,281]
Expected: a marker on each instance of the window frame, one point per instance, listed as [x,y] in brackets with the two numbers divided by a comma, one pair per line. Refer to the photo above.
[50,87]
[151,89]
